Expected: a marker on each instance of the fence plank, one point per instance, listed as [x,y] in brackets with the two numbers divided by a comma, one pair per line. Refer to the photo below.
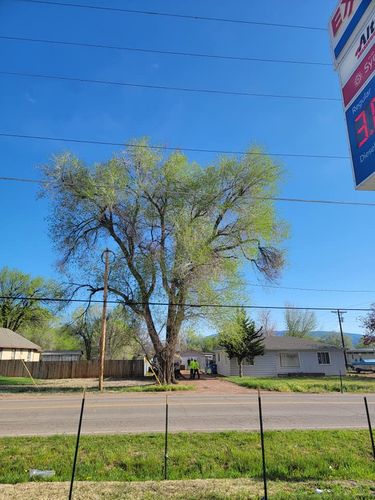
[72,369]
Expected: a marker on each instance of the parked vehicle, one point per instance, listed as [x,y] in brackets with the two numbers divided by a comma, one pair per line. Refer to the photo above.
[363,365]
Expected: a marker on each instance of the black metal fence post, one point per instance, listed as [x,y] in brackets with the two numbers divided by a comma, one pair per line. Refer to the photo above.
[77,445]
[262,444]
[370,427]
[341,387]
[166,439]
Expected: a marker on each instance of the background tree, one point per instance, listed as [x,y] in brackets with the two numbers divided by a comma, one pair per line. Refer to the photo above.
[241,340]
[192,340]
[85,328]
[51,336]
[123,334]
[121,338]
[267,323]
[368,322]
[178,231]
[334,338]
[299,323]
[20,304]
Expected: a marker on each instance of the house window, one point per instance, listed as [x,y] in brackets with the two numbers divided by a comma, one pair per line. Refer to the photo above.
[29,355]
[323,358]
[1,354]
[13,355]
[289,360]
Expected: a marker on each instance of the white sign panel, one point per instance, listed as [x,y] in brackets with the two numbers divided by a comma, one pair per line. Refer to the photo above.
[361,45]
[344,24]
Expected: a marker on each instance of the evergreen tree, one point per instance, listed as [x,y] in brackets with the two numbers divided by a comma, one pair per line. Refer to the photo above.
[241,340]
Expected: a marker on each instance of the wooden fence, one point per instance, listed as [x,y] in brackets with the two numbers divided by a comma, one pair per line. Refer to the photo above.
[71,369]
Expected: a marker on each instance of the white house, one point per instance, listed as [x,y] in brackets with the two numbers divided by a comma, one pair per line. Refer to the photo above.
[287,355]
[203,358]
[14,346]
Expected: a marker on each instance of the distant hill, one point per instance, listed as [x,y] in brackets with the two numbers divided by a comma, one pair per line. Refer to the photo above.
[356,337]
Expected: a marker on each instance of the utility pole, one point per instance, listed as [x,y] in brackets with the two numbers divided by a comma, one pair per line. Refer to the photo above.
[104,319]
[341,320]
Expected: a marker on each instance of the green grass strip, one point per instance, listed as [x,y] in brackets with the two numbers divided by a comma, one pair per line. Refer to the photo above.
[307,385]
[291,456]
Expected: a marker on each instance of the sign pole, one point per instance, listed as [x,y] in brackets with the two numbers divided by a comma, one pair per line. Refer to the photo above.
[166,439]
[77,445]
[262,444]
[370,427]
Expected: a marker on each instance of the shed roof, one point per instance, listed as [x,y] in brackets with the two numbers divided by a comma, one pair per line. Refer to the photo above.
[13,340]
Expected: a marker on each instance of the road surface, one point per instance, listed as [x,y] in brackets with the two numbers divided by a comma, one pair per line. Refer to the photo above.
[123,413]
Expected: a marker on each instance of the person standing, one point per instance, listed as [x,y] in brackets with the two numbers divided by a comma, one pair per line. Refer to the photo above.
[191,368]
[196,369]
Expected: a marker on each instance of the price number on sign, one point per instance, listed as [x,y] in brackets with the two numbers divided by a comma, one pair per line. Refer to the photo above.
[365,124]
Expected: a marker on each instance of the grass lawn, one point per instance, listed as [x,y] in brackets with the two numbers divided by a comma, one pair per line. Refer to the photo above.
[211,489]
[291,456]
[15,381]
[352,383]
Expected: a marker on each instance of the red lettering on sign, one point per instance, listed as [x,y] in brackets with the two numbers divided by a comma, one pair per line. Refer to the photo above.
[336,21]
[344,11]
[349,4]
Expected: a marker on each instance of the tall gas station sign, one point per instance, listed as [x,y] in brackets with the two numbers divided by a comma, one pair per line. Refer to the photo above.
[352,30]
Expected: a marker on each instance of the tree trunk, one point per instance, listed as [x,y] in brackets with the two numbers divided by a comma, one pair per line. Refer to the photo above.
[166,367]
[240,368]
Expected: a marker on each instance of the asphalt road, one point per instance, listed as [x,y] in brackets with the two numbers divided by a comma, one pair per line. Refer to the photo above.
[123,413]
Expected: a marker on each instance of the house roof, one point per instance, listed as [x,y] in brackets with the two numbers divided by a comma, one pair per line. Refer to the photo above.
[280,343]
[285,343]
[13,340]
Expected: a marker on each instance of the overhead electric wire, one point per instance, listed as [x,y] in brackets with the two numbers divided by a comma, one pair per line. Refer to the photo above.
[164,52]
[174,15]
[168,148]
[151,303]
[167,87]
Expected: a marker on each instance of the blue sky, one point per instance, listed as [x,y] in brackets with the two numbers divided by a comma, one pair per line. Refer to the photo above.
[329,246]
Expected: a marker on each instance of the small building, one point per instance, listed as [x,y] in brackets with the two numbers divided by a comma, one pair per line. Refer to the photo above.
[61,355]
[203,358]
[357,354]
[287,355]
[14,346]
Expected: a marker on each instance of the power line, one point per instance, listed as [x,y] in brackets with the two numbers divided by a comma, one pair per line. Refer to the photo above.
[180,16]
[164,52]
[167,87]
[310,289]
[270,198]
[168,148]
[218,306]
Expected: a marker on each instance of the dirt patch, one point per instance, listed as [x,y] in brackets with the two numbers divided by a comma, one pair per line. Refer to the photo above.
[183,490]
[213,385]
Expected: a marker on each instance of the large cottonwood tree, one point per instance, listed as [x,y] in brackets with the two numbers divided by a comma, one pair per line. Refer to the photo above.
[181,233]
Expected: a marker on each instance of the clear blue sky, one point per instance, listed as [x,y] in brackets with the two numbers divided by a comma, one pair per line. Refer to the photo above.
[329,247]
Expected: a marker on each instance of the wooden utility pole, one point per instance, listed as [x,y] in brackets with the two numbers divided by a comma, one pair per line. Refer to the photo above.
[104,319]
[341,319]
